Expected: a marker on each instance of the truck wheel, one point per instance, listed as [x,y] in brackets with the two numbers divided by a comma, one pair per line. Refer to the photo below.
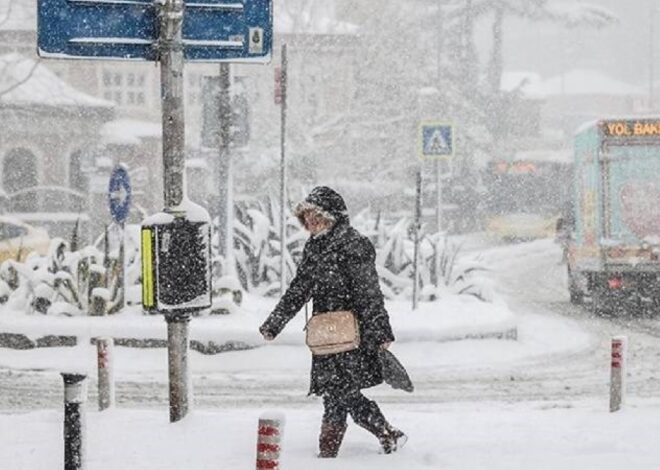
[600,304]
[574,292]
[576,297]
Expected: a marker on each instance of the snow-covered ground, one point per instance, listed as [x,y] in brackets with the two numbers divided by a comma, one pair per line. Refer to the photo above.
[537,402]
[493,436]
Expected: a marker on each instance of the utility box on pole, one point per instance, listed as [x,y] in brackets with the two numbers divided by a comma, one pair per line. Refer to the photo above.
[170,286]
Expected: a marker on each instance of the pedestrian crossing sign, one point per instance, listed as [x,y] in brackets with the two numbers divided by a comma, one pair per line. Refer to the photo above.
[436,140]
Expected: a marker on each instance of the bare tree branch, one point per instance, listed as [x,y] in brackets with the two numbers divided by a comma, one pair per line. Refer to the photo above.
[7,14]
[20,82]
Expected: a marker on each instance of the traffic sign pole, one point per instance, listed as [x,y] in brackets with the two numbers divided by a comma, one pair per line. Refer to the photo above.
[170,46]
[438,221]
[283,84]
[225,242]
[418,226]
[119,196]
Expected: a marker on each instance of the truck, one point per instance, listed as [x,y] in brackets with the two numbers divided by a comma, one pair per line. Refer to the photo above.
[613,251]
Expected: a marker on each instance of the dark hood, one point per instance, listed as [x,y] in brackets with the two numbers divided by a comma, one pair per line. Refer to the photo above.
[329,201]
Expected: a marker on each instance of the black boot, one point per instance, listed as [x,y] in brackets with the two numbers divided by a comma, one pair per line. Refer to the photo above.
[392,439]
[330,439]
[369,416]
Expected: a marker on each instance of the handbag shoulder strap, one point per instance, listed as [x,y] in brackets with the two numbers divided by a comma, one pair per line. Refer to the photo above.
[306,316]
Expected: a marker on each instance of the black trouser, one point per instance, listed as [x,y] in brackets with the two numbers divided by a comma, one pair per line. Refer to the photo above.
[364,412]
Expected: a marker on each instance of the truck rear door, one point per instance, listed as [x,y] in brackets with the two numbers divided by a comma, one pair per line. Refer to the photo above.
[631,193]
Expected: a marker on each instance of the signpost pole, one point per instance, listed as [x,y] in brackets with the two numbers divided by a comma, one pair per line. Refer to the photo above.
[418,225]
[121,274]
[224,168]
[283,84]
[119,195]
[171,72]
[438,220]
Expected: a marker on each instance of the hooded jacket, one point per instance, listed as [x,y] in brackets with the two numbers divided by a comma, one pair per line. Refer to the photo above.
[338,272]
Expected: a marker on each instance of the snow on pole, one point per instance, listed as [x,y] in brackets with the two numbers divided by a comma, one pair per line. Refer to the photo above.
[75,390]
[269,441]
[106,382]
[618,372]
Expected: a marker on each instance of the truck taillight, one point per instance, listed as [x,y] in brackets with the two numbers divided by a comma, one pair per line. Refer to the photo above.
[615,283]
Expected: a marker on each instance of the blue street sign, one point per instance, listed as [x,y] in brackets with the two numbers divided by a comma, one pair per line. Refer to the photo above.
[119,194]
[213,30]
[436,140]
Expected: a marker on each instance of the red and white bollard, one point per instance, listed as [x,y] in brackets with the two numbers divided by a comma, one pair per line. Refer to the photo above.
[106,381]
[269,441]
[618,372]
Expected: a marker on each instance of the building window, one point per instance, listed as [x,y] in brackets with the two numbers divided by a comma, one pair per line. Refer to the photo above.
[124,88]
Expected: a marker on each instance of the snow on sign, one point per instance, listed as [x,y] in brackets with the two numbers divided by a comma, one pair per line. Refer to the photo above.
[436,140]
[213,30]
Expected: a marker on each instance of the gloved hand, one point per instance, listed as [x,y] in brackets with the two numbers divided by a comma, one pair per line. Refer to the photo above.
[268,336]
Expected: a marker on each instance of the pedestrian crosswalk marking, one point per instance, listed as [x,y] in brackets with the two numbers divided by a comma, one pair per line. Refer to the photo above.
[436,140]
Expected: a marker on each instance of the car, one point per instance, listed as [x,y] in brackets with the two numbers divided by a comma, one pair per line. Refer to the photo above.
[18,239]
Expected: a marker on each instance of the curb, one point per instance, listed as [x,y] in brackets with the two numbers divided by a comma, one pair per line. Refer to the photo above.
[22,342]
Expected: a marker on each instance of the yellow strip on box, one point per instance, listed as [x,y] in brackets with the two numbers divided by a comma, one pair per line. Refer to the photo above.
[147,268]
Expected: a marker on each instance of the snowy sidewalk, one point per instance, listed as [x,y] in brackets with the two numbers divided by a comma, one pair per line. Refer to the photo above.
[484,436]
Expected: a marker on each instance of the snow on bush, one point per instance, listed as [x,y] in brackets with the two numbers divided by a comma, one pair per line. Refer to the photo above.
[61,282]
[442,271]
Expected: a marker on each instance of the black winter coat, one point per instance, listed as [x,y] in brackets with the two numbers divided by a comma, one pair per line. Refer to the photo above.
[338,272]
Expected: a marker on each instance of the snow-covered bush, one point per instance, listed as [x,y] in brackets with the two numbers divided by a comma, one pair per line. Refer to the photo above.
[63,282]
[257,247]
[441,270]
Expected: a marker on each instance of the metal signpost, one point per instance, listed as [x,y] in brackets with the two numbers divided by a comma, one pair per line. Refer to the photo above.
[119,198]
[436,142]
[171,32]
[282,93]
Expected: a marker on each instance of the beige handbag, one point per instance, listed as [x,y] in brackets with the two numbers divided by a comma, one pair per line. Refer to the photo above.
[332,332]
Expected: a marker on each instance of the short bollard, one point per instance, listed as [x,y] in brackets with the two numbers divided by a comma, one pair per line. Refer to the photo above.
[74,421]
[618,372]
[269,441]
[106,382]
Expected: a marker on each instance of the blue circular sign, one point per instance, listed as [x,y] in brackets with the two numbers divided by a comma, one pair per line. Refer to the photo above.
[119,193]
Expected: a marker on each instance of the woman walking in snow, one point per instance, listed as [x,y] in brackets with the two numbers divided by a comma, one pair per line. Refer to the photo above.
[338,273]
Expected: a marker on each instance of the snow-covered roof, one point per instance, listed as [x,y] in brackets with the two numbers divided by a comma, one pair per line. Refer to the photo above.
[18,15]
[582,82]
[577,14]
[130,131]
[26,81]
